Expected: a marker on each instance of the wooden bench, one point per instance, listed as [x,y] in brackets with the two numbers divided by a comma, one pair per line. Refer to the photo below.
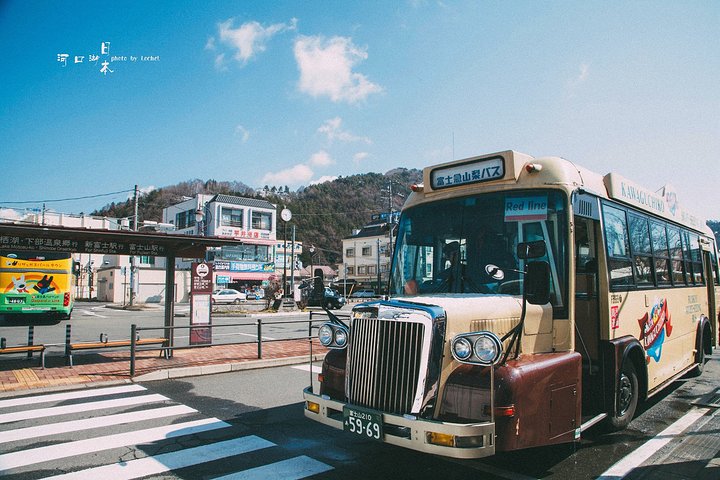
[26,349]
[70,347]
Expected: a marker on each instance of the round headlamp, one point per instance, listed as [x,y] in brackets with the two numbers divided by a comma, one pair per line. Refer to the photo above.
[341,337]
[487,349]
[462,348]
[325,335]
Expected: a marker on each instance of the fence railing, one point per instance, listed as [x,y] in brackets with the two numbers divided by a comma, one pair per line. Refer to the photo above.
[168,332]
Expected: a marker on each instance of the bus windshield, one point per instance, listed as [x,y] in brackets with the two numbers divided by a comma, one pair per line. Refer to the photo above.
[469,244]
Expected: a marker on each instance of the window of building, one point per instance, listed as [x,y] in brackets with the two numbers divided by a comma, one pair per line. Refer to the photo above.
[232,217]
[147,260]
[349,252]
[371,270]
[261,220]
[367,251]
[247,253]
[351,270]
[185,219]
[361,270]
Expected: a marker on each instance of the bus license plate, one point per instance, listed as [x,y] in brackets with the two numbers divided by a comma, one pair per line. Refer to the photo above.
[363,422]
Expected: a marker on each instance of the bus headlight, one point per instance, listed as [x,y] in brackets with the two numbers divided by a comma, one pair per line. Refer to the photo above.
[461,348]
[332,335]
[477,348]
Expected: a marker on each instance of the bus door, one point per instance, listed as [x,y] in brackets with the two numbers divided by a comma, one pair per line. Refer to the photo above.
[588,239]
[711,277]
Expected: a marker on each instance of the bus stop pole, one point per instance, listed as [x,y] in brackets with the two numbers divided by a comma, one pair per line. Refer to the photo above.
[169,302]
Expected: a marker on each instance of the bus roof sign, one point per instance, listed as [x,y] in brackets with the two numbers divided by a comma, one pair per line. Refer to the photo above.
[664,204]
[493,167]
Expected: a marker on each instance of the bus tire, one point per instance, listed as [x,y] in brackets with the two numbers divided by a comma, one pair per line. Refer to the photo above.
[703,345]
[626,397]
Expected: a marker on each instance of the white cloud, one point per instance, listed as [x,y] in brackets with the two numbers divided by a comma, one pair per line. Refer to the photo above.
[359,157]
[581,77]
[243,133]
[248,39]
[323,179]
[326,69]
[332,129]
[321,159]
[297,175]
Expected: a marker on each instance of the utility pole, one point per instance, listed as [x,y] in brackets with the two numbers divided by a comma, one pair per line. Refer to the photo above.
[132,257]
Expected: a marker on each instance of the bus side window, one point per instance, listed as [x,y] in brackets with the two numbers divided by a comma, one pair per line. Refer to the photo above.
[585,257]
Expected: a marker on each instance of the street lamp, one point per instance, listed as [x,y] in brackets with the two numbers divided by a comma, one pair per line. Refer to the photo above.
[312,254]
[199,215]
[286,215]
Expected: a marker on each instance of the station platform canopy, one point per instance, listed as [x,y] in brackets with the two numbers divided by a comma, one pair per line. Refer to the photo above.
[14,236]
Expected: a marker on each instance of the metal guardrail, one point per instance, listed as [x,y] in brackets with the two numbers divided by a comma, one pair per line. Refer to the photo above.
[258,323]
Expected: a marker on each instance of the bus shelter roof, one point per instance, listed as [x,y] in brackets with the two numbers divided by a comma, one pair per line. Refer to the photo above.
[46,238]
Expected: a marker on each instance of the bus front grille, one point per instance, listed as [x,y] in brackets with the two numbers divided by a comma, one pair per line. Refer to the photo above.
[385,364]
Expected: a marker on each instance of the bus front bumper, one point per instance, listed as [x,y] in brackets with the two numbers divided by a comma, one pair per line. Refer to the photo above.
[456,440]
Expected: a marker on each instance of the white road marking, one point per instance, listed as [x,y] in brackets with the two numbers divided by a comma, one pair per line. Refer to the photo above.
[315,368]
[96,422]
[638,456]
[170,461]
[84,393]
[31,456]
[80,407]
[90,313]
[291,469]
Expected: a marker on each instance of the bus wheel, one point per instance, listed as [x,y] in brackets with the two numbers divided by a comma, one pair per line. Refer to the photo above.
[700,355]
[626,398]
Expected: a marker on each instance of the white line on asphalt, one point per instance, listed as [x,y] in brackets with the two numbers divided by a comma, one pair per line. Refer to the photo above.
[90,313]
[31,456]
[84,393]
[169,461]
[80,407]
[638,456]
[315,368]
[291,469]
[96,422]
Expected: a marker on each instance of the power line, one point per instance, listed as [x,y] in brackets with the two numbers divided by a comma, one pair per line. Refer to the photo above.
[68,199]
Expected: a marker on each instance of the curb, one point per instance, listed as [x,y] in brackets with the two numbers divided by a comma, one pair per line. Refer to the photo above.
[223,368]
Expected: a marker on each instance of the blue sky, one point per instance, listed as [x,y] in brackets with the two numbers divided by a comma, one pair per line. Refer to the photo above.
[290,93]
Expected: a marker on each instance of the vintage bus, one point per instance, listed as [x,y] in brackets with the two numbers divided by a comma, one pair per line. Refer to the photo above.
[41,284]
[530,299]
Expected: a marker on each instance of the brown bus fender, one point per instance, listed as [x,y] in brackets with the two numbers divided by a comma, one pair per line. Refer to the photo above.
[537,399]
[615,352]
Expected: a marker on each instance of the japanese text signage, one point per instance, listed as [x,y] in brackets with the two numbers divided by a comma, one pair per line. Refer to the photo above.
[202,280]
[476,171]
[22,243]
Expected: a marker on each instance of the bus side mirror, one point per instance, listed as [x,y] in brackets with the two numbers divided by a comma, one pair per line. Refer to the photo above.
[537,283]
[526,250]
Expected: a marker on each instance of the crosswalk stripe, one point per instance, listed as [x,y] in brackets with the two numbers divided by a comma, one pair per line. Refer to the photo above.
[80,407]
[55,397]
[96,422]
[31,456]
[291,469]
[169,461]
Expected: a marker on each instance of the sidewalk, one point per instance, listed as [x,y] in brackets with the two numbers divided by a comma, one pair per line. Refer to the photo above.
[21,374]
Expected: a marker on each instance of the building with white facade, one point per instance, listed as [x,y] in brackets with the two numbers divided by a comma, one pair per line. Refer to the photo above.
[367,255]
[250,220]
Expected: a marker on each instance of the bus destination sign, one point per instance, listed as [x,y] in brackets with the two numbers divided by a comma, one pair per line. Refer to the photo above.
[482,170]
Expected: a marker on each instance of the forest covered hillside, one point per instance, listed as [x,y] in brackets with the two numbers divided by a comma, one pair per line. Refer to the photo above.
[323,214]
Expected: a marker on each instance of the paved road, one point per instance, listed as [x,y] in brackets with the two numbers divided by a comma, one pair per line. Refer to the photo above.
[251,425]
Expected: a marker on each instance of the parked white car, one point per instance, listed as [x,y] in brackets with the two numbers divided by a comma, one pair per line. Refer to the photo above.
[228,295]
[363,294]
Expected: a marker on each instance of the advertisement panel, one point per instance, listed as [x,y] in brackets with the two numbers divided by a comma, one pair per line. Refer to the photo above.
[200,306]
